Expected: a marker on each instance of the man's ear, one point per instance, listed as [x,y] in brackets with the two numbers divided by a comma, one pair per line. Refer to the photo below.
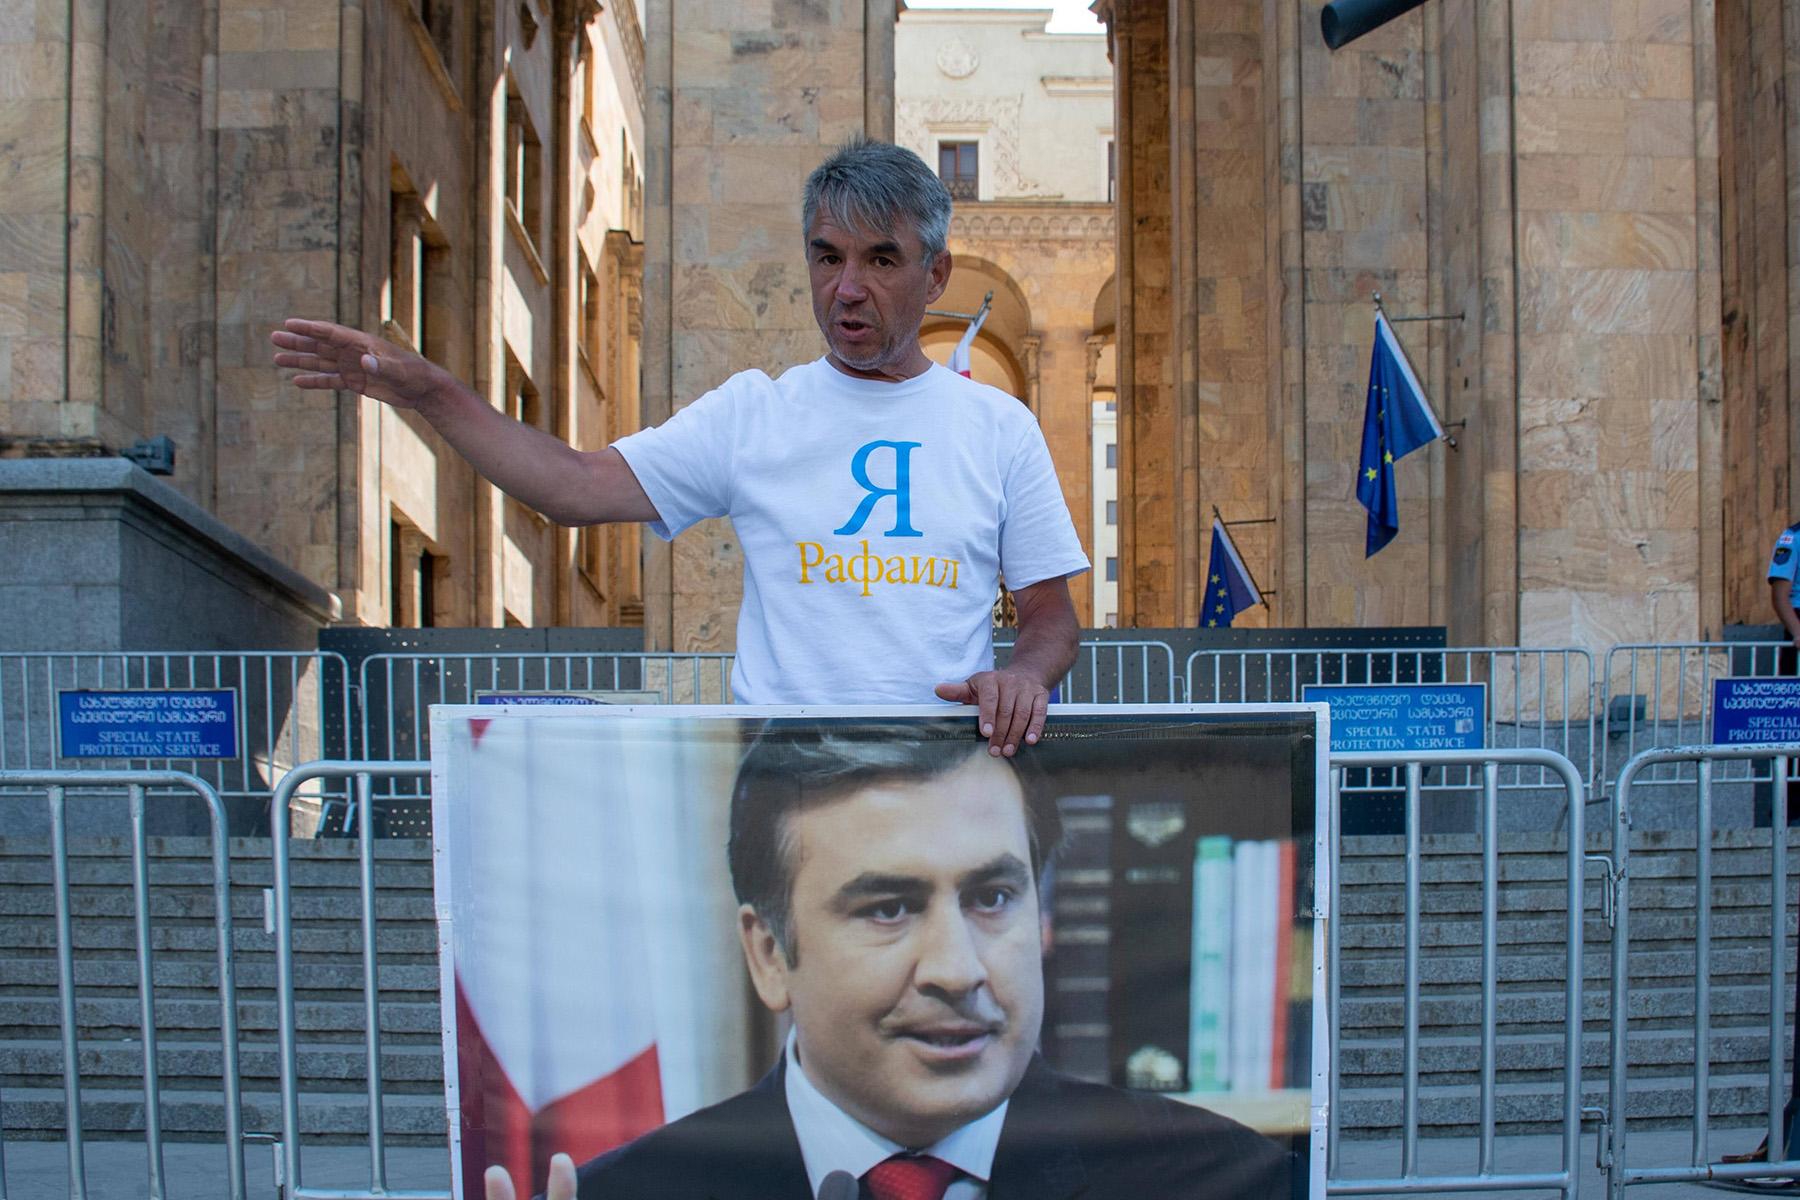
[940,277]
[766,959]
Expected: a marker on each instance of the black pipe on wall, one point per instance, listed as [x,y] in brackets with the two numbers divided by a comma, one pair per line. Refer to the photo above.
[1344,21]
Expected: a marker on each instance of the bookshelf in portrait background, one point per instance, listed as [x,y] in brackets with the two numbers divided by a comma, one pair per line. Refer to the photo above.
[1181,913]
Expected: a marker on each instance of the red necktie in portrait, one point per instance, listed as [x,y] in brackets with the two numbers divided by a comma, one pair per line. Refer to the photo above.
[909,1177]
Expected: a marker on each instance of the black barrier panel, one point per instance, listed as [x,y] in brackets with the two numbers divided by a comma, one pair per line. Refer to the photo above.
[1375,800]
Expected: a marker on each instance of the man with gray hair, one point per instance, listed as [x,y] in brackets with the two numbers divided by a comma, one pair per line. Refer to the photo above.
[879,498]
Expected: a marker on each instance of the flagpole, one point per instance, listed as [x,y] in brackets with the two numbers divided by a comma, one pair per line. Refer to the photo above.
[987,302]
[1381,314]
[1226,525]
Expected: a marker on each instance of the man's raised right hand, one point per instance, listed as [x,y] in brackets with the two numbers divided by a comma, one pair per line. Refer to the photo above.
[337,357]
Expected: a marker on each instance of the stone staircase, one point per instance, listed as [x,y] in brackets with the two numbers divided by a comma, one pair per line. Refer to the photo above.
[329,1003]
[328,995]
[1531,972]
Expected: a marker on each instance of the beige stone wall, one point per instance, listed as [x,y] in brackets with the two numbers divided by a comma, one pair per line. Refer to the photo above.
[1225,291]
[1363,200]
[1582,507]
[235,162]
[1617,319]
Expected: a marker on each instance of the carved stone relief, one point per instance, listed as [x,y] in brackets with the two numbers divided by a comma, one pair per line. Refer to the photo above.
[916,122]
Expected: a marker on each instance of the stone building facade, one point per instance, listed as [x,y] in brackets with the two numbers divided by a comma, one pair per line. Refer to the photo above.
[1551,172]
[1600,190]
[466,178]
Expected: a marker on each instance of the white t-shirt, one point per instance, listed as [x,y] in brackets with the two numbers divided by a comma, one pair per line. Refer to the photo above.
[876,519]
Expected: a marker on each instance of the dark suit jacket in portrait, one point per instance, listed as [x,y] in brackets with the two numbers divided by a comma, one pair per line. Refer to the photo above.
[1063,1139]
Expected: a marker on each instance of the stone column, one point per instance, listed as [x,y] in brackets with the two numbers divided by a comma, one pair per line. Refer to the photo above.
[1473,257]
[1029,350]
[1148,441]
[748,113]
[1761,238]
[1225,318]
[1614,312]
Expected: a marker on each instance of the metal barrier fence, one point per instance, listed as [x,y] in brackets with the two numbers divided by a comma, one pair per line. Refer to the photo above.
[360,778]
[396,690]
[1613,1135]
[289,704]
[1117,672]
[1659,695]
[1539,699]
[1485,1177]
[137,784]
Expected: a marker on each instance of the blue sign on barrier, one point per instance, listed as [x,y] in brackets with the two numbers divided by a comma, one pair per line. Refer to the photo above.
[535,698]
[1396,716]
[147,724]
[607,696]
[1755,710]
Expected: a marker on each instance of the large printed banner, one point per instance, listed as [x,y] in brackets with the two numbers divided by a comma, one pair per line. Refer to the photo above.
[755,952]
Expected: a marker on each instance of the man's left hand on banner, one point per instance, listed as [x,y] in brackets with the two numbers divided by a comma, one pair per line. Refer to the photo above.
[562,1181]
[1012,706]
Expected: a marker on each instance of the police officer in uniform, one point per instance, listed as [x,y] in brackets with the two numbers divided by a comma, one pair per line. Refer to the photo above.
[1784,594]
[1784,591]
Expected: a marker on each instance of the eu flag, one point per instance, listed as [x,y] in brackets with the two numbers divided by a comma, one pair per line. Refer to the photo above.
[1396,421]
[1229,588]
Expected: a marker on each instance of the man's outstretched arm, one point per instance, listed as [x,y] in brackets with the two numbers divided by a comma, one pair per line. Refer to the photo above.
[1013,701]
[570,486]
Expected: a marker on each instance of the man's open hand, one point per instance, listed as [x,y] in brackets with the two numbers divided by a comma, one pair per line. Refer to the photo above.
[337,357]
[1012,705]
[562,1181]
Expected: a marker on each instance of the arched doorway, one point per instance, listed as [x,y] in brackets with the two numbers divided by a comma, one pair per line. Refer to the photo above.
[1004,350]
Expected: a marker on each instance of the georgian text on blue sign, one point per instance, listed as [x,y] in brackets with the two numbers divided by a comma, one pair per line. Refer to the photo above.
[1404,716]
[1755,710]
[147,724]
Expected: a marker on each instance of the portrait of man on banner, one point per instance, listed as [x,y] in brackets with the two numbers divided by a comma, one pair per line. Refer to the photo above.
[818,956]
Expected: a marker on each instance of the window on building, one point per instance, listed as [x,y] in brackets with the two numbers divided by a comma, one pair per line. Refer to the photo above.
[398,583]
[590,314]
[524,164]
[523,403]
[405,299]
[1112,512]
[1112,455]
[1112,620]
[417,268]
[631,188]
[592,552]
[439,19]
[414,573]
[1112,570]
[959,168]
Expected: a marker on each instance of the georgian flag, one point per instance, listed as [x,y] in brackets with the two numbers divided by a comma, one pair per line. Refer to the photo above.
[555,1034]
[959,357]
